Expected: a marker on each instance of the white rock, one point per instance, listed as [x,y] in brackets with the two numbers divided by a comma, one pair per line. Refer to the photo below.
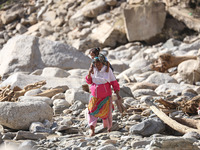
[36,98]
[73,95]
[28,53]
[20,115]
[54,72]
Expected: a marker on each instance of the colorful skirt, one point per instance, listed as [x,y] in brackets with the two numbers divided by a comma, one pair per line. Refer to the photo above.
[99,107]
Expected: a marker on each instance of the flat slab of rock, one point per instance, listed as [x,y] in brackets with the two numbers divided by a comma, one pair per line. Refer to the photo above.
[183,15]
[23,135]
[20,115]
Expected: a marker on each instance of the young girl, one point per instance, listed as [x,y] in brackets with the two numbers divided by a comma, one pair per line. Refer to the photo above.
[95,52]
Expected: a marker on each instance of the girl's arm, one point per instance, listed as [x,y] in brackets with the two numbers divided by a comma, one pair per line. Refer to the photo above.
[88,78]
[108,66]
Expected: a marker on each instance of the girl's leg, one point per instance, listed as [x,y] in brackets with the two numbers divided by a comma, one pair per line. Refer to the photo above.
[92,121]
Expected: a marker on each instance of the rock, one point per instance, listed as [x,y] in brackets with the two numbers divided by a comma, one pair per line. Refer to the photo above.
[9,136]
[73,95]
[143,85]
[49,16]
[128,72]
[172,88]
[125,91]
[184,16]
[36,98]
[118,66]
[39,127]
[58,96]
[160,78]
[33,92]
[186,71]
[111,2]
[23,135]
[147,127]
[94,8]
[140,144]
[134,117]
[59,105]
[20,115]
[135,16]
[77,105]
[108,147]
[107,35]
[1,140]
[39,53]
[26,145]
[12,14]
[22,80]
[171,43]
[54,72]
[170,142]
[141,92]
[21,28]
[192,135]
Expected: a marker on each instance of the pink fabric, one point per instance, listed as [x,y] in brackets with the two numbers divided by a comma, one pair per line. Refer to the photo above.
[92,121]
[102,90]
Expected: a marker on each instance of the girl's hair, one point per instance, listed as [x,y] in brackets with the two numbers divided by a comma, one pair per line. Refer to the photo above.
[96,59]
[95,50]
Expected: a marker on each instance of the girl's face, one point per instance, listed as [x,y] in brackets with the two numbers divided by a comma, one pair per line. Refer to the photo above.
[92,55]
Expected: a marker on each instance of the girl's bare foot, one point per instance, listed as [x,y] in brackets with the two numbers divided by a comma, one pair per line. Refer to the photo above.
[92,129]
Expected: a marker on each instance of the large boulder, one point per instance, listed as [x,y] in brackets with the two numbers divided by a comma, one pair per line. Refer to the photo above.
[22,80]
[142,22]
[20,115]
[28,53]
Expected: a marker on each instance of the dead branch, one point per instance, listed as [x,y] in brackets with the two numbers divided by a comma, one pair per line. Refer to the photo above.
[50,93]
[190,107]
[7,94]
[166,61]
[169,121]
[169,105]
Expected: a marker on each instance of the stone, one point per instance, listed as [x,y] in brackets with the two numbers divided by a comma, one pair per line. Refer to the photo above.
[36,98]
[73,95]
[31,53]
[39,127]
[23,135]
[148,127]
[142,92]
[20,115]
[9,135]
[54,72]
[171,88]
[59,105]
[143,85]
[171,142]
[107,35]
[118,66]
[12,14]
[49,16]
[125,91]
[140,144]
[94,8]
[27,145]
[108,147]
[135,16]
[77,105]
[192,135]
[22,80]
[171,43]
[160,78]
[111,2]
[21,28]
[33,92]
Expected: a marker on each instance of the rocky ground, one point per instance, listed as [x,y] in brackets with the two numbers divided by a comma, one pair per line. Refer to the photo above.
[49,41]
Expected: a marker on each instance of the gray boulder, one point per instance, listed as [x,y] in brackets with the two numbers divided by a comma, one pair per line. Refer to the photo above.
[20,115]
[148,127]
[28,53]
